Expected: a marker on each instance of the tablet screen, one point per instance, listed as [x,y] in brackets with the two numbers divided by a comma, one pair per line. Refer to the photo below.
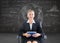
[31,32]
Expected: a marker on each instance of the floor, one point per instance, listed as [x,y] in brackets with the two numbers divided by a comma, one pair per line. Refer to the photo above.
[12,38]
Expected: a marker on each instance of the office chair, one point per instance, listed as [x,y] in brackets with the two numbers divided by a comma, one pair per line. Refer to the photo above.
[39,17]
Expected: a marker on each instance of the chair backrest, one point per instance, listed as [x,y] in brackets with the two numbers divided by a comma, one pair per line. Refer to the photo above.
[36,8]
[38,13]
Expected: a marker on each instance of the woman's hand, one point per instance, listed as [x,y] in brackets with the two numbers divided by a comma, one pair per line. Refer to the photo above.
[26,35]
[36,35]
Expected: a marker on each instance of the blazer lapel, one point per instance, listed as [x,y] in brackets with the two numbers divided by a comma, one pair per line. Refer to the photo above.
[33,26]
[28,27]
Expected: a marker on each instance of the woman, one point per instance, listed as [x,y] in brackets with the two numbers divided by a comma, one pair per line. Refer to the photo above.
[31,25]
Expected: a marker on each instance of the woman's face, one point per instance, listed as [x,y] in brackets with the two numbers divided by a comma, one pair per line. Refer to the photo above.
[31,14]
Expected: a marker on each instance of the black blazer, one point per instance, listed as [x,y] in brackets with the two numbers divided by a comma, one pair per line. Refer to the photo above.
[35,27]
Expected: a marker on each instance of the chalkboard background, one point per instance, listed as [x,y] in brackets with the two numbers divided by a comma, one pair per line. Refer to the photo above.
[11,19]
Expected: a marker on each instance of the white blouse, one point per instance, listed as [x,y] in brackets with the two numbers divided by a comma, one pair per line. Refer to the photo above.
[31,24]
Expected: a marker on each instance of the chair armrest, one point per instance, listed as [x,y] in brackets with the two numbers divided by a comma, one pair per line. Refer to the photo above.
[19,39]
[18,36]
[45,36]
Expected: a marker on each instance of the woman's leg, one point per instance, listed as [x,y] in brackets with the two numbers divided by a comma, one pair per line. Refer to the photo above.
[28,41]
[34,42]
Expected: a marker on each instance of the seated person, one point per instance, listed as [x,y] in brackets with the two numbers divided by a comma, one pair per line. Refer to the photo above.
[30,31]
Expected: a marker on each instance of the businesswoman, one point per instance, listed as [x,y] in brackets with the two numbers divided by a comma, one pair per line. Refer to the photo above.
[31,25]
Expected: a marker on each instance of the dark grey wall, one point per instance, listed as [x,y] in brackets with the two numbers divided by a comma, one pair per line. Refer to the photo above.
[10,19]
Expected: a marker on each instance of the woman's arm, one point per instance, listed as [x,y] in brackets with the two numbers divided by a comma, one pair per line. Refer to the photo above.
[22,31]
[39,30]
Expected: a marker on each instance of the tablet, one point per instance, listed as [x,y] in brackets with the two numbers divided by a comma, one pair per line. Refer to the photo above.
[31,32]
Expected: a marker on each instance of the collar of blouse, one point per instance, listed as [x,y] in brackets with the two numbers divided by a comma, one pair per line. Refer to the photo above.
[32,21]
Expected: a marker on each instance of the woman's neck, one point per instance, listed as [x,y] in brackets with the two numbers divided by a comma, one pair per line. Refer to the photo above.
[30,20]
